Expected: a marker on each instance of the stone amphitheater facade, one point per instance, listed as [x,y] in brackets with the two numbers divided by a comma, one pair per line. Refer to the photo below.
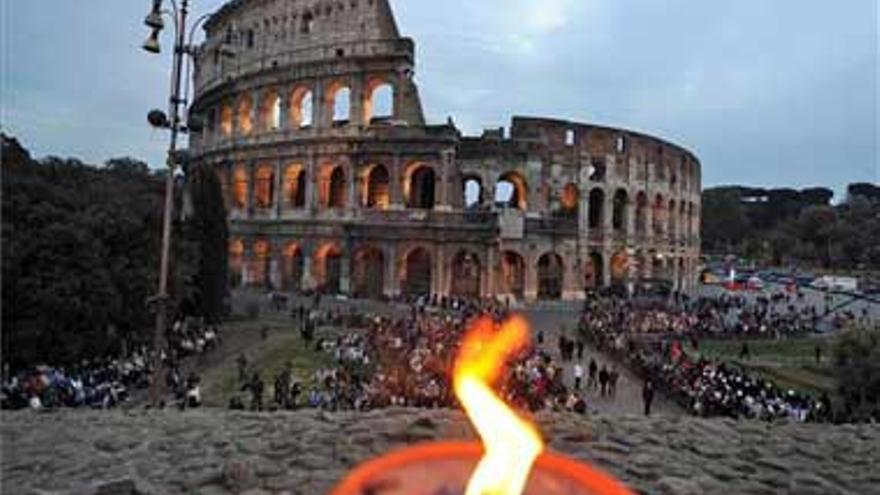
[334,181]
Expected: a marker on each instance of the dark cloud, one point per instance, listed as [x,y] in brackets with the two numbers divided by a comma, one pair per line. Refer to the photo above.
[766,92]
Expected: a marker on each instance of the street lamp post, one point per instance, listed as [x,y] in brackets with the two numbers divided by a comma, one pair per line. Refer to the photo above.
[173,122]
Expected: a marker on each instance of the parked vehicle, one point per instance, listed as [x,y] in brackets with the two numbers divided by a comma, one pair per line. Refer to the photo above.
[830,282]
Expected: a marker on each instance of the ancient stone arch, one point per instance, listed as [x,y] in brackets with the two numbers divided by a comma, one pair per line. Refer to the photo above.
[512,276]
[416,275]
[466,274]
[551,271]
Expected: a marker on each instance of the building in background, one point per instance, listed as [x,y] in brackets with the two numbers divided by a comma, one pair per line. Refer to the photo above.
[334,181]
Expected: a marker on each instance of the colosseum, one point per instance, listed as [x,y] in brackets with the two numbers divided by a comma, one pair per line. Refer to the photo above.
[334,181]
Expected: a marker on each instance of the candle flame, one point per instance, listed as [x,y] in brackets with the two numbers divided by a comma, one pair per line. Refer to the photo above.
[511,443]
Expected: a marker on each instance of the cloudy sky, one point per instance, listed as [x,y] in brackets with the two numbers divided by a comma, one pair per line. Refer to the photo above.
[766,92]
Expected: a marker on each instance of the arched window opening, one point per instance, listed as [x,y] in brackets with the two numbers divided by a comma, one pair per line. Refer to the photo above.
[236,263]
[264,186]
[593,272]
[466,275]
[307,23]
[245,116]
[378,188]
[419,188]
[550,275]
[226,120]
[619,268]
[569,200]
[369,273]
[597,207]
[618,217]
[340,104]
[292,271]
[473,192]
[511,191]
[416,277]
[513,274]
[598,170]
[239,188]
[295,186]
[270,112]
[333,190]
[328,269]
[301,108]
[378,103]
[641,213]
[260,264]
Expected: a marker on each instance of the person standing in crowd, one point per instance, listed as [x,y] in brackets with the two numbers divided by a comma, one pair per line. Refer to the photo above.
[818,352]
[591,380]
[578,375]
[580,349]
[256,389]
[242,363]
[540,337]
[648,396]
[744,352]
[603,381]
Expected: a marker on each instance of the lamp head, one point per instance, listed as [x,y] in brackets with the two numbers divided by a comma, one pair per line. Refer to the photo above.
[154,20]
[152,43]
[158,119]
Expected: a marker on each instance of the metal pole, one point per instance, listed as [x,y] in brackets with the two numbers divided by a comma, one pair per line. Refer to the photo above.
[157,385]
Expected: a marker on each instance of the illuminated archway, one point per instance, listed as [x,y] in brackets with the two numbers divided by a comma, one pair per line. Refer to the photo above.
[332,186]
[245,115]
[550,276]
[466,275]
[240,188]
[226,119]
[418,186]
[236,262]
[338,103]
[416,276]
[511,191]
[328,268]
[619,267]
[368,272]
[513,274]
[270,111]
[292,270]
[593,274]
[295,186]
[377,193]
[569,200]
[264,187]
[260,264]
[301,107]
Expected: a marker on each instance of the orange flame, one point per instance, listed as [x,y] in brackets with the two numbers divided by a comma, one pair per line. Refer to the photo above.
[511,443]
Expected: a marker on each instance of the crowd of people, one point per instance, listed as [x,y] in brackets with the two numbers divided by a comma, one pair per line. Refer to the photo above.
[651,340]
[376,361]
[107,382]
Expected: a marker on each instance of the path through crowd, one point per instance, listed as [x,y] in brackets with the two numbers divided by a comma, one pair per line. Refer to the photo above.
[628,399]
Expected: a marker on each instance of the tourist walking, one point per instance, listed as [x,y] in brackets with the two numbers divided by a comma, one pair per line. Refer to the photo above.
[648,396]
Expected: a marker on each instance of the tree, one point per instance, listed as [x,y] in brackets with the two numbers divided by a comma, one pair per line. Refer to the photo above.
[857,366]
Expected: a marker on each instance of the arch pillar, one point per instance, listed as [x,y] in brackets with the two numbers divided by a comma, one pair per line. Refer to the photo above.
[530,292]
[252,175]
[307,282]
[356,102]
[487,280]
[392,280]
[284,108]
[275,264]
[396,183]
[354,183]
[607,254]
[438,280]
[277,191]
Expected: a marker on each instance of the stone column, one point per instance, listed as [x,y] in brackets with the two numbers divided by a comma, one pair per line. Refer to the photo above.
[397,201]
[311,181]
[491,272]
[606,267]
[318,106]
[284,109]
[251,172]
[345,267]
[392,280]
[630,225]
[530,292]
[278,194]
[256,102]
[354,182]
[356,103]
[438,275]
[649,220]
[275,264]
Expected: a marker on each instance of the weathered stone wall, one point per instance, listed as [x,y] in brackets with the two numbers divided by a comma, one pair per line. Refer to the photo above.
[307,452]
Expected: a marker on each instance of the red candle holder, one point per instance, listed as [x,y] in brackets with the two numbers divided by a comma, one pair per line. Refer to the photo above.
[444,468]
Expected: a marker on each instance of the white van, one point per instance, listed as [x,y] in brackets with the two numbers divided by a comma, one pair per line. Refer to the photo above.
[829,282]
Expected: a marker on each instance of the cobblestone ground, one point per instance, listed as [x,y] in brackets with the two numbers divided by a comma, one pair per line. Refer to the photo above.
[212,452]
